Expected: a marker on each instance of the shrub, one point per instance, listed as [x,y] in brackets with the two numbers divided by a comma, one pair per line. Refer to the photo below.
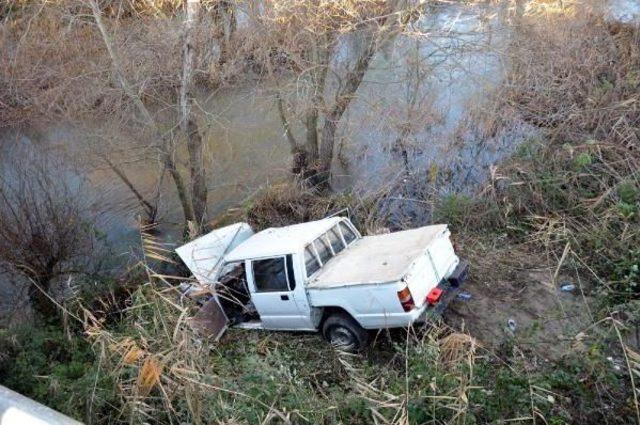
[56,369]
[44,233]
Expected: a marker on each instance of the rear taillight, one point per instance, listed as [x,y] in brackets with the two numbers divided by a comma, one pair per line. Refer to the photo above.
[406,299]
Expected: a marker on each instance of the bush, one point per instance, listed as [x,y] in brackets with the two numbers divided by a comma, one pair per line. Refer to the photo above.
[574,76]
[45,234]
[55,369]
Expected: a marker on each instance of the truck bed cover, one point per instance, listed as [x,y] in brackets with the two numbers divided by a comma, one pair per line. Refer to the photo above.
[376,259]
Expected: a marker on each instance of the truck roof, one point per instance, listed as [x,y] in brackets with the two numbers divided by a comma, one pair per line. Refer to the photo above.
[376,259]
[281,240]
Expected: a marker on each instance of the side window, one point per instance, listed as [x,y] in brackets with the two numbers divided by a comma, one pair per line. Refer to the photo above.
[270,275]
[310,260]
[347,233]
[335,240]
[324,252]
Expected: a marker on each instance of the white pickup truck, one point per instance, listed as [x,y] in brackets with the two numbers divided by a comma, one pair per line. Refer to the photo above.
[323,275]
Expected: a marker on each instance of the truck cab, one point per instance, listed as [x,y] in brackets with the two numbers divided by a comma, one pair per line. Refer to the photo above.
[323,275]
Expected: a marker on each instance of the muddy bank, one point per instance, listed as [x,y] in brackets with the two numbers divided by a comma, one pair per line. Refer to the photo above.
[525,307]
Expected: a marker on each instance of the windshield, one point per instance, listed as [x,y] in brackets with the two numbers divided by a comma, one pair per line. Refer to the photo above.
[331,243]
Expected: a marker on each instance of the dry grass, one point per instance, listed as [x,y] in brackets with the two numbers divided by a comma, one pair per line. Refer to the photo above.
[291,203]
[456,348]
[576,74]
[575,77]
[55,66]
[164,373]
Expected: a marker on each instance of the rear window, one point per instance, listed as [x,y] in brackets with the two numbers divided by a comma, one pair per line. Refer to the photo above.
[310,261]
[347,233]
[326,246]
[322,247]
[335,240]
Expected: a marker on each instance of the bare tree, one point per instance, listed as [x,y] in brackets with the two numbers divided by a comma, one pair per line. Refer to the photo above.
[312,35]
[188,123]
[57,69]
[193,201]
[43,234]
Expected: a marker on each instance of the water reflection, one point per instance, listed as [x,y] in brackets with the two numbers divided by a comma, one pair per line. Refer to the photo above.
[408,118]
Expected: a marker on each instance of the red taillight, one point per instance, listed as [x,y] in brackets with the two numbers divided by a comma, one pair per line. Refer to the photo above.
[406,299]
[434,296]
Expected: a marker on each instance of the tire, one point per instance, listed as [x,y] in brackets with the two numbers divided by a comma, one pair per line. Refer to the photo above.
[344,333]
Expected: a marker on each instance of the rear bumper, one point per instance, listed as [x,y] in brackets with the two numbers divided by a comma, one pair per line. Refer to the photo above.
[460,274]
[426,311]
[450,289]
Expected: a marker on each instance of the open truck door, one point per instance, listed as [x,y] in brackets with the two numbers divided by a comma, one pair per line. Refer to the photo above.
[204,257]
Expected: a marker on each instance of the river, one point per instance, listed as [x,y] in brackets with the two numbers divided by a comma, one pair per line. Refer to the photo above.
[428,81]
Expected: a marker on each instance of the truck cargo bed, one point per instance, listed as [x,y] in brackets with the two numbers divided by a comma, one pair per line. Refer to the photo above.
[376,259]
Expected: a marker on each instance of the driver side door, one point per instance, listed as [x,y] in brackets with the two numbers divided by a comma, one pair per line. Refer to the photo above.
[275,293]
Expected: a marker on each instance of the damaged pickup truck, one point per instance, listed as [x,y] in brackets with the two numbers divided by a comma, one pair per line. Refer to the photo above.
[322,276]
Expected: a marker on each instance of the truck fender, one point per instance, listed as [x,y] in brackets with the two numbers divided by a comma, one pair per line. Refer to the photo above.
[330,310]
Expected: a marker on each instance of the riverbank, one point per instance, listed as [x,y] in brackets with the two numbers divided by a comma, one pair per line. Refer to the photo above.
[563,361]
[567,357]
[547,331]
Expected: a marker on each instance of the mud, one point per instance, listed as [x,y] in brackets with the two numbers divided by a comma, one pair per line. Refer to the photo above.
[547,320]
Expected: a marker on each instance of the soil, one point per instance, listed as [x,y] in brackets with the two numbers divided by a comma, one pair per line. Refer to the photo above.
[546,319]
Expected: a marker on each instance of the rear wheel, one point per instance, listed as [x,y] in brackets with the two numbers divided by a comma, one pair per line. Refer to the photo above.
[344,333]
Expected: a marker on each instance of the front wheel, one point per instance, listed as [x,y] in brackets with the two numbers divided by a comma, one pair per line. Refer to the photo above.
[344,333]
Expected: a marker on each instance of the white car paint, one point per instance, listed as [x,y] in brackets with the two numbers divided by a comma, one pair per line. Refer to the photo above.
[363,279]
[205,255]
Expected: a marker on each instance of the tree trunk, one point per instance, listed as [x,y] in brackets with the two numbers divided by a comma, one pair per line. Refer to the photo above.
[188,125]
[39,292]
[344,97]
[181,187]
[224,14]
[299,158]
[195,147]
[351,83]
[326,150]
[41,303]
[311,145]
[322,58]
[230,26]
[166,143]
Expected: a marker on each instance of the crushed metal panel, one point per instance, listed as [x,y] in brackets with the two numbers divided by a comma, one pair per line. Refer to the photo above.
[210,321]
[203,256]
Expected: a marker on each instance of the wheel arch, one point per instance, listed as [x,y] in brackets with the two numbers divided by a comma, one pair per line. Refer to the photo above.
[330,310]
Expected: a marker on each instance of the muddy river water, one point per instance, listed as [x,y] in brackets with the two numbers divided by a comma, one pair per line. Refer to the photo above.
[427,80]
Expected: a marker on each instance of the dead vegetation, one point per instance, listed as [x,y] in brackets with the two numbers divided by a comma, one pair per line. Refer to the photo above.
[162,372]
[45,234]
[285,204]
[308,40]
[574,76]
[568,200]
